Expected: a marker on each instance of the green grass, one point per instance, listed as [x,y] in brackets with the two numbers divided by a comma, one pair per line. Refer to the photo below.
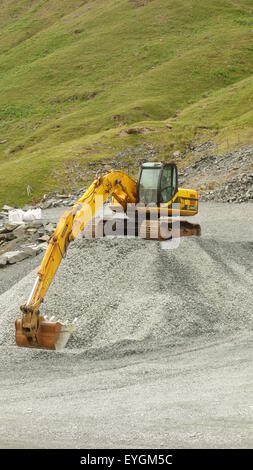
[75,74]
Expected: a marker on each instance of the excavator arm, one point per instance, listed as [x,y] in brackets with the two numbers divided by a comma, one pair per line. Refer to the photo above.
[33,330]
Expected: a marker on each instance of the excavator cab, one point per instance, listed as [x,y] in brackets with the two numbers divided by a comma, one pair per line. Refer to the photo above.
[157,190]
[157,183]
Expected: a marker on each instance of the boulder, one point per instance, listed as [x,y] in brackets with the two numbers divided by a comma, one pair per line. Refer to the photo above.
[7,208]
[41,231]
[70,203]
[31,231]
[44,246]
[20,231]
[48,203]
[9,236]
[44,238]
[10,226]
[32,250]
[13,257]
[62,196]
[50,228]
[3,261]
[34,224]
[134,130]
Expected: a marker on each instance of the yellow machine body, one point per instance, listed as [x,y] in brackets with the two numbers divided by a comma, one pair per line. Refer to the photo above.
[34,330]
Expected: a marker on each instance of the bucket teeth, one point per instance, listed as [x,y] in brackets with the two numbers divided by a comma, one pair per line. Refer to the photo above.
[49,335]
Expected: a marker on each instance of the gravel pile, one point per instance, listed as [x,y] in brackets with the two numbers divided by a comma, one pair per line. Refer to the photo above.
[133,295]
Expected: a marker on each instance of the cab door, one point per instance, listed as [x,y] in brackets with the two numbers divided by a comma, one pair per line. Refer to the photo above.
[168,183]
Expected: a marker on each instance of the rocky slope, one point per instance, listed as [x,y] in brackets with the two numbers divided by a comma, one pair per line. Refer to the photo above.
[221,178]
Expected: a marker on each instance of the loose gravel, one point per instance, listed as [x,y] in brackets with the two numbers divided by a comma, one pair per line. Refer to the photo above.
[162,354]
[134,295]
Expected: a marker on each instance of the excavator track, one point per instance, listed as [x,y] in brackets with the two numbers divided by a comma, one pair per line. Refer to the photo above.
[147,229]
[163,230]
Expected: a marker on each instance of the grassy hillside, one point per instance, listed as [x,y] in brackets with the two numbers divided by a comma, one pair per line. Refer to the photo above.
[76,75]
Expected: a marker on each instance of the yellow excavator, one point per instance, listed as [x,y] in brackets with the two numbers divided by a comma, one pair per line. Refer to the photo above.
[153,198]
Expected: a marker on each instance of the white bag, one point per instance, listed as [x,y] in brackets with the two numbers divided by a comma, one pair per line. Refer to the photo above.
[31,214]
[18,216]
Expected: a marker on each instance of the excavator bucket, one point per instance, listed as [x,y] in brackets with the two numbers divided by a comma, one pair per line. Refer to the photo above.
[50,335]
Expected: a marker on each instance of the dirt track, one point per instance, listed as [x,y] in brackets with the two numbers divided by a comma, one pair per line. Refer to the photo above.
[163,356]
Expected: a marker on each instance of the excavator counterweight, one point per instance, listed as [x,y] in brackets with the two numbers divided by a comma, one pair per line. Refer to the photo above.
[153,195]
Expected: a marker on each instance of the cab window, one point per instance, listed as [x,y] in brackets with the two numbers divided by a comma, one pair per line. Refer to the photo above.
[168,183]
[148,185]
